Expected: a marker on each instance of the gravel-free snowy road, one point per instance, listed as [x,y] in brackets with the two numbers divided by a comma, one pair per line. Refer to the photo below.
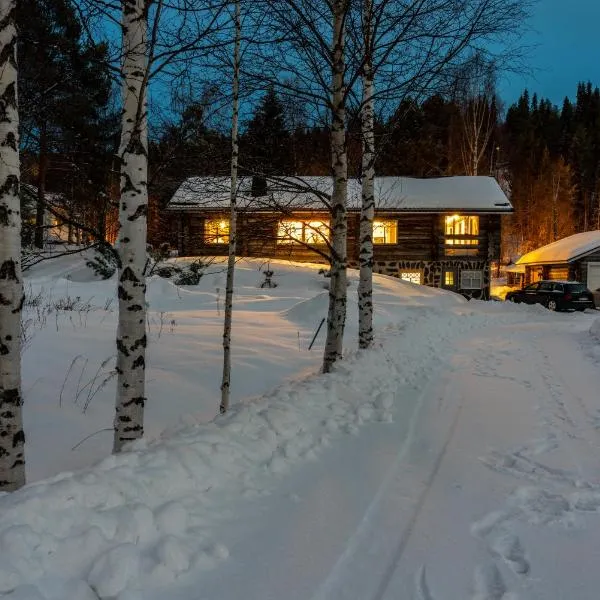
[486,486]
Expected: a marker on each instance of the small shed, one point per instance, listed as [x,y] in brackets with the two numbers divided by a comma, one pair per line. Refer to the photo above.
[574,258]
[515,275]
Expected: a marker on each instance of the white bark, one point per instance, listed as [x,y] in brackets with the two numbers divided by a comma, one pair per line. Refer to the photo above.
[367,212]
[336,317]
[12,438]
[226,380]
[131,333]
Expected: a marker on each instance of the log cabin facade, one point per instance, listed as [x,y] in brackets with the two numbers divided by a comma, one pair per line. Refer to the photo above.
[442,233]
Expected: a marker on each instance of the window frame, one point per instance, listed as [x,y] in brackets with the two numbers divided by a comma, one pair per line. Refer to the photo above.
[393,227]
[418,272]
[465,243]
[219,221]
[309,230]
[468,273]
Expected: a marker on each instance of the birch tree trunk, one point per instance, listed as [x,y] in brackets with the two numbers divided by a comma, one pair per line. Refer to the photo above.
[336,317]
[367,211]
[12,438]
[226,380]
[133,209]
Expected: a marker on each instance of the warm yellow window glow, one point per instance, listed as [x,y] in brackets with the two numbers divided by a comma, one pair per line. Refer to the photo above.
[449,278]
[216,231]
[385,232]
[457,225]
[412,276]
[299,232]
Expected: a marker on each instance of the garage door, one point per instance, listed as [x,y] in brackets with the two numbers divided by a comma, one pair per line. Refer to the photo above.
[593,276]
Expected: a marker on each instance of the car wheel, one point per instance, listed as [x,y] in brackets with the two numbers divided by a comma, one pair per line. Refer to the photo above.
[551,305]
[512,299]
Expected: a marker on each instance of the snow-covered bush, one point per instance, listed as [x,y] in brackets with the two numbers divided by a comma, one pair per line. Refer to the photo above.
[191,274]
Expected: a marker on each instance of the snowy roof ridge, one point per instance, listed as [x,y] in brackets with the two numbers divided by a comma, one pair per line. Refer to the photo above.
[566,250]
[441,194]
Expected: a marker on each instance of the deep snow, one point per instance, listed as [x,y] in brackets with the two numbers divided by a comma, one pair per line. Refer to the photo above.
[471,472]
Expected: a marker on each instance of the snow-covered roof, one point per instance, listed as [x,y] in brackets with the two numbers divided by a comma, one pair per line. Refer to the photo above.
[515,269]
[444,194]
[566,250]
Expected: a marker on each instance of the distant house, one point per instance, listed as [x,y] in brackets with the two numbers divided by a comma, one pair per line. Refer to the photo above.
[576,258]
[439,232]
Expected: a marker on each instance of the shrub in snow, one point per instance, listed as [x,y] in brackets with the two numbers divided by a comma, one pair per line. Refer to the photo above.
[104,263]
[192,274]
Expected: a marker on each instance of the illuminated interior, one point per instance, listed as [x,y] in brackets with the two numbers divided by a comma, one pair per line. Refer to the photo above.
[449,278]
[412,276]
[385,232]
[216,231]
[303,232]
[460,225]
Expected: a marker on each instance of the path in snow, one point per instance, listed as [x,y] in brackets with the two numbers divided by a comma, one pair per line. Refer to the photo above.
[486,487]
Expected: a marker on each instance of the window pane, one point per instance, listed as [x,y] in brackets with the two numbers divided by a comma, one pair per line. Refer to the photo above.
[471,280]
[412,276]
[316,232]
[459,225]
[296,232]
[385,232]
[216,231]
[449,278]
[289,232]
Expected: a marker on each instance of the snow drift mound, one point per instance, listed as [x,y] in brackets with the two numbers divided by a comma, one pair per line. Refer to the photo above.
[308,311]
[595,330]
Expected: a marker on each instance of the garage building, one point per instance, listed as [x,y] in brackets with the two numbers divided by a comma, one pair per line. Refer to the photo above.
[575,258]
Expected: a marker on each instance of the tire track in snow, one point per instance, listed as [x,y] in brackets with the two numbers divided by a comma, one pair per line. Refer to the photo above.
[329,589]
[394,562]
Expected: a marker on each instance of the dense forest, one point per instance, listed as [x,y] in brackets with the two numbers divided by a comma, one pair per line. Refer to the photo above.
[546,157]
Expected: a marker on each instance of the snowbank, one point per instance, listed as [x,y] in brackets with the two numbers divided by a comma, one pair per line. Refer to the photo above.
[141,519]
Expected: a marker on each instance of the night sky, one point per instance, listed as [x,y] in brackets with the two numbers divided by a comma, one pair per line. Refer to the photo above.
[568,51]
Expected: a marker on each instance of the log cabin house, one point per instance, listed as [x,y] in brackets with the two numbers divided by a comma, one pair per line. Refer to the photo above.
[442,232]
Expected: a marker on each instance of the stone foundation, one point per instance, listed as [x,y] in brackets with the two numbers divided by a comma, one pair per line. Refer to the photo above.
[432,272]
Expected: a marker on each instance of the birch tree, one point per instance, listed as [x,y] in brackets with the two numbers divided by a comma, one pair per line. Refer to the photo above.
[336,315]
[367,213]
[226,379]
[477,101]
[133,209]
[12,438]
[160,40]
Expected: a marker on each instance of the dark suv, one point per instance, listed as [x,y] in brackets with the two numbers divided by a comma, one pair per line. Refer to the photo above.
[555,295]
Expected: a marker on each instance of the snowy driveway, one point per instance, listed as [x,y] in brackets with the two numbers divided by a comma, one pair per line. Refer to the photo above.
[486,486]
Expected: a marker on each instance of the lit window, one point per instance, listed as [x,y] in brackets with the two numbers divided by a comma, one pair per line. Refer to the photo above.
[302,232]
[385,232]
[449,278]
[216,231]
[471,280]
[412,276]
[462,231]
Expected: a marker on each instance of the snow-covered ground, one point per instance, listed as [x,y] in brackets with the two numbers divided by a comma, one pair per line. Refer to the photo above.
[457,459]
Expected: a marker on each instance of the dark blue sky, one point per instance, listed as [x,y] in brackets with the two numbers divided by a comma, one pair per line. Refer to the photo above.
[568,51]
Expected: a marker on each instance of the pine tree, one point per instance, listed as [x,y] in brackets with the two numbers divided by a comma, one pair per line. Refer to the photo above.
[64,86]
[267,142]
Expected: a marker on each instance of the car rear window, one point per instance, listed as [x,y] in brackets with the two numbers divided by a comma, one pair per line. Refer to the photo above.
[576,287]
